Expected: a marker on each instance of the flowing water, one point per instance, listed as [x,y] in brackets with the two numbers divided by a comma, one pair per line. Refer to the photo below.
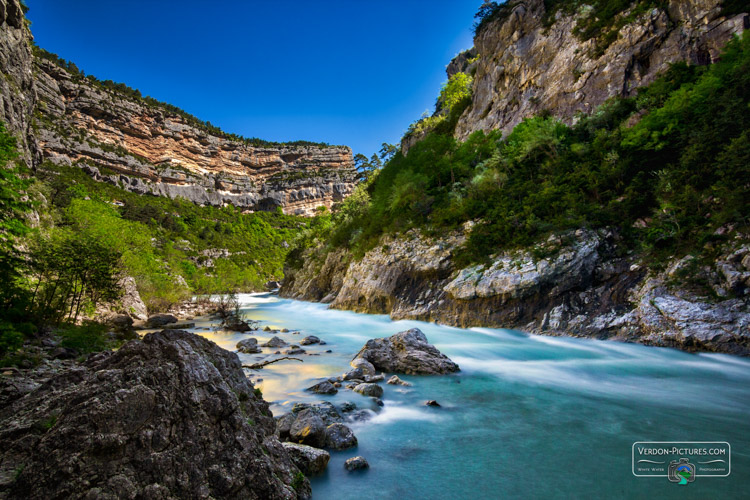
[527,417]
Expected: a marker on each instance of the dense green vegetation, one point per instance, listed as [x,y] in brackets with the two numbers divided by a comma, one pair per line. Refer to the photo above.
[126,91]
[89,235]
[212,249]
[454,98]
[667,167]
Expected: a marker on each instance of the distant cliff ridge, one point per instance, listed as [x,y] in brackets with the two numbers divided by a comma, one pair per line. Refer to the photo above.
[149,148]
[525,67]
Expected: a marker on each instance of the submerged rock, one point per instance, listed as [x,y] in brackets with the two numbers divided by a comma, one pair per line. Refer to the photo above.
[406,352]
[340,437]
[394,380]
[356,463]
[324,387]
[274,342]
[248,346]
[309,460]
[431,402]
[171,416]
[373,390]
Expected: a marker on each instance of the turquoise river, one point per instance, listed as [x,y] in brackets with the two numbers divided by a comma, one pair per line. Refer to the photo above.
[526,417]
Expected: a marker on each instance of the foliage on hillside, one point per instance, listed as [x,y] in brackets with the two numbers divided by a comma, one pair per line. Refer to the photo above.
[454,98]
[88,235]
[667,167]
[165,241]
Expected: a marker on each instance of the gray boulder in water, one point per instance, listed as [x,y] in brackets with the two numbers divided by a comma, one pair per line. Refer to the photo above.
[171,416]
[248,346]
[340,437]
[274,342]
[309,460]
[356,463]
[373,390]
[406,352]
[311,339]
[324,387]
[308,428]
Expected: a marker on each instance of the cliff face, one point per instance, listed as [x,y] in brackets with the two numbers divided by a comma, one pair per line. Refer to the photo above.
[525,68]
[148,149]
[17,96]
[575,284]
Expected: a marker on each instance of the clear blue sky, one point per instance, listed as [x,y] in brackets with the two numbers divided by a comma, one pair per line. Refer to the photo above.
[345,72]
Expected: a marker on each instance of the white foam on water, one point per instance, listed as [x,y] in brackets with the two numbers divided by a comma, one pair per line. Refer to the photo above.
[395,413]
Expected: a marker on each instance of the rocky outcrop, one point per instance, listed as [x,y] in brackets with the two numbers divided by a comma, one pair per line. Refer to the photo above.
[525,67]
[309,460]
[171,416]
[147,149]
[405,352]
[578,283]
[17,95]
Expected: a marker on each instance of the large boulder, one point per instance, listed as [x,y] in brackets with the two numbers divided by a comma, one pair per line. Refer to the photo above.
[171,416]
[340,437]
[311,339]
[406,352]
[308,428]
[309,460]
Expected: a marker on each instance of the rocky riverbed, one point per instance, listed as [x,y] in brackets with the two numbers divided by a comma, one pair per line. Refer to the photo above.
[515,397]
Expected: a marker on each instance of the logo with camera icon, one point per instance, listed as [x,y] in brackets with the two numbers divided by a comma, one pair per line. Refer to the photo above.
[681,471]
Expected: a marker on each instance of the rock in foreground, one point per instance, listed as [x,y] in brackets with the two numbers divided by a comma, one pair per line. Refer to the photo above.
[308,459]
[406,352]
[172,416]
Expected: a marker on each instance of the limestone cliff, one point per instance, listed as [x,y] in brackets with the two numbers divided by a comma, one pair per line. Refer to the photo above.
[575,284]
[149,148]
[525,67]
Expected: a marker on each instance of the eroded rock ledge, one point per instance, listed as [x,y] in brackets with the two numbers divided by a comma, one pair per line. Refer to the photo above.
[171,416]
[575,284]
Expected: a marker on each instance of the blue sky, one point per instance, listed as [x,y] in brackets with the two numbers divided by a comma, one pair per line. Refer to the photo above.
[345,72]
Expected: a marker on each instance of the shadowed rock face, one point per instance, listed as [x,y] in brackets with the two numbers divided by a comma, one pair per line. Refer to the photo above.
[172,416]
[525,68]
